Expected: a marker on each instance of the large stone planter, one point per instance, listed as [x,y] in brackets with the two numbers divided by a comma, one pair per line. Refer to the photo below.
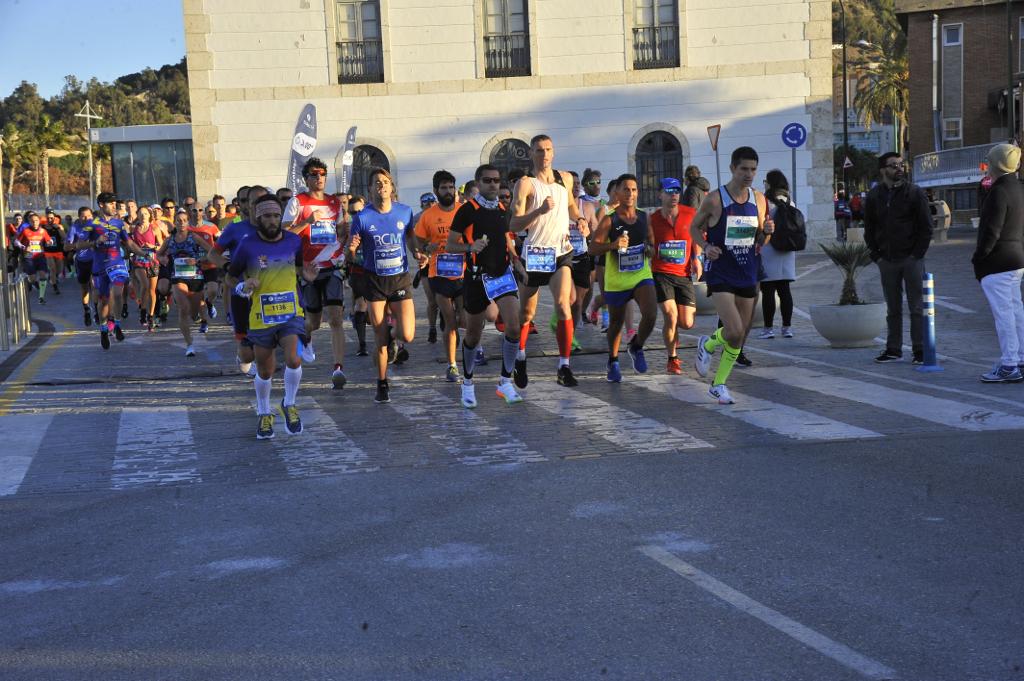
[855,235]
[704,303]
[849,326]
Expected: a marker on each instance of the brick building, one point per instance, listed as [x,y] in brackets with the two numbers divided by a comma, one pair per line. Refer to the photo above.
[950,137]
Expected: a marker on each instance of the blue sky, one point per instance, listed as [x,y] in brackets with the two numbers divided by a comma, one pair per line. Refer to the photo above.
[86,38]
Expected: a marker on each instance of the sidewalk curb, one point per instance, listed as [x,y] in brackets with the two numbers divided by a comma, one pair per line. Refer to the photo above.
[11,364]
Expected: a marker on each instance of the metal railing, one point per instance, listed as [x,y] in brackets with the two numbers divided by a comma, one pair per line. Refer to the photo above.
[656,47]
[951,166]
[360,61]
[62,203]
[15,314]
[506,55]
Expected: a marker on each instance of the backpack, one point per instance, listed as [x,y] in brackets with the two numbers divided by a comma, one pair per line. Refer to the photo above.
[790,228]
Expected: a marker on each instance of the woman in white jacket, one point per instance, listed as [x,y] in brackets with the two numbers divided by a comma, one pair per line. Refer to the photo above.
[779,267]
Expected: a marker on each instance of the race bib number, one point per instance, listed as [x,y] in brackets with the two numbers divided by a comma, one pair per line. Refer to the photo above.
[540,259]
[495,287]
[117,270]
[277,308]
[578,243]
[632,260]
[323,232]
[740,231]
[389,261]
[185,268]
[672,252]
[451,265]
[35,248]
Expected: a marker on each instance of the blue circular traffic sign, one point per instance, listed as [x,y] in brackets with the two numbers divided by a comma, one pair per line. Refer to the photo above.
[794,135]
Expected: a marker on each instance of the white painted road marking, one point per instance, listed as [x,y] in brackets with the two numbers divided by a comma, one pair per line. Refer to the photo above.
[622,427]
[154,447]
[467,437]
[943,301]
[842,654]
[778,418]
[21,436]
[321,448]
[935,409]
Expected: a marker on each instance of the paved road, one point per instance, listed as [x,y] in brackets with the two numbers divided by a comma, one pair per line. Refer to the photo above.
[843,521]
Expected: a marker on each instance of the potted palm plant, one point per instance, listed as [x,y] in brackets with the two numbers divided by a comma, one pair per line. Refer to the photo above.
[852,322]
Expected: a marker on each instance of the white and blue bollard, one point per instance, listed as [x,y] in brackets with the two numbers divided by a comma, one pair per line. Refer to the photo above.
[931,360]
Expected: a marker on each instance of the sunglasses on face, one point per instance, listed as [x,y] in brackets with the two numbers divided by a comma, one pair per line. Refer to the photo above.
[316,172]
[896,166]
[671,190]
[593,183]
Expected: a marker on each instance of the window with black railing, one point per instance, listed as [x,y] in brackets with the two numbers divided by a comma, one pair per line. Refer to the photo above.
[360,56]
[656,34]
[506,40]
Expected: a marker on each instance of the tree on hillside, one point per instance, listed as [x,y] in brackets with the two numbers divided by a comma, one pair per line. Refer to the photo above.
[20,151]
[50,136]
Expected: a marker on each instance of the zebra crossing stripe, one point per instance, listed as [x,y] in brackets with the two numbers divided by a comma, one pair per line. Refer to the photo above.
[322,448]
[22,436]
[622,427]
[779,418]
[154,447]
[935,409]
[467,437]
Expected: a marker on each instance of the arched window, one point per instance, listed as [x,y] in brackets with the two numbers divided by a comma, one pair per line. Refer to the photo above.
[511,153]
[658,155]
[364,159]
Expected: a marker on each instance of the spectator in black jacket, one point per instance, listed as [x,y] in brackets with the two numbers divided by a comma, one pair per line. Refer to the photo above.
[898,230]
[999,260]
[695,190]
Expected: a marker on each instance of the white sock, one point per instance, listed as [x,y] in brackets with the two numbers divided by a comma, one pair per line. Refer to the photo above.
[521,355]
[563,362]
[262,395]
[291,385]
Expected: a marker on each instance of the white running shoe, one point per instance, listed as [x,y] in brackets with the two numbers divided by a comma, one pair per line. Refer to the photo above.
[308,354]
[703,361]
[766,333]
[190,351]
[468,395]
[507,390]
[787,332]
[251,373]
[721,393]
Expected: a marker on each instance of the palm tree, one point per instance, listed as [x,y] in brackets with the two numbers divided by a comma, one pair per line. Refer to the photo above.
[50,136]
[884,87]
[20,151]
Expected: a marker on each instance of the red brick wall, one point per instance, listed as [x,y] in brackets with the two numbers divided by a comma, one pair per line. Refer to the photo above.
[985,64]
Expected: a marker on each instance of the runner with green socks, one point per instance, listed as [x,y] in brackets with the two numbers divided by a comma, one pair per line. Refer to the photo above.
[736,222]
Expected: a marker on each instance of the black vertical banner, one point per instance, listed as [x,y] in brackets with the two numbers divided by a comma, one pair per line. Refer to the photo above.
[303,144]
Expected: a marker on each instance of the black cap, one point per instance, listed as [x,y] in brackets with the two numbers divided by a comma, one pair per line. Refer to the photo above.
[106,197]
[49,211]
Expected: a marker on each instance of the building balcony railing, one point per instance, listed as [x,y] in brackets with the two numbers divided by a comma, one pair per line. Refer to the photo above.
[360,61]
[507,55]
[951,166]
[656,47]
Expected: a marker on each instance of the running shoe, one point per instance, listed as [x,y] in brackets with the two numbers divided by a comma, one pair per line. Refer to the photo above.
[212,309]
[265,427]
[124,310]
[767,332]
[56,288]
[674,366]
[1003,374]
[468,395]
[383,391]
[402,355]
[142,317]
[118,333]
[362,351]
[507,391]
[190,351]
[251,373]
[307,352]
[703,361]
[887,357]
[203,327]
[721,393]
[42,301]
[292,422]
[432,335]
[743,360]
[392,351]
[636,353]
[918,359]
[614,373]
[105,338]
[566,378]
[338,379]
[481,356]
[787,332]
[452,374]
[592,317]
[519,374]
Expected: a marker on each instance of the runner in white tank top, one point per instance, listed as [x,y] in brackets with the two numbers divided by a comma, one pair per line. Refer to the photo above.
[542,207]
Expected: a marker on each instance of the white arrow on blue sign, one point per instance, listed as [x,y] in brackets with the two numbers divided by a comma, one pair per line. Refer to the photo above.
[794,135]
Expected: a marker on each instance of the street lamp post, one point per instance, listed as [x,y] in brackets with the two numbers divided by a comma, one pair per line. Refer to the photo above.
[846,97]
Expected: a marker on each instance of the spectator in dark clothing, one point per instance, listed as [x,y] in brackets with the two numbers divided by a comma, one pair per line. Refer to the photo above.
[696,188]
[999,260]
[898,231]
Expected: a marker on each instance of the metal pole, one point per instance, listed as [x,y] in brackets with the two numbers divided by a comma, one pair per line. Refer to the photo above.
[931,362]
[718,169]
[88,136]
[846,103]
[792,177]
[1011,99]
[5,341]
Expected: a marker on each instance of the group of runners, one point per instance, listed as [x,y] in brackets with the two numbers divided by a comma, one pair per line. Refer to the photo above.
[482,254]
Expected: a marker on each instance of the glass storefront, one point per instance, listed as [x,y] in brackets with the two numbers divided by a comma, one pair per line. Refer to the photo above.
[152,171]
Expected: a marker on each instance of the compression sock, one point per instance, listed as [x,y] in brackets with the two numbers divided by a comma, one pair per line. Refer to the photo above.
[715,341]
[468,361]
[509,352]
[564,335]
[359,322]
[291,385]
[262,395]
[729,355]
[524,333]
[42,288]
